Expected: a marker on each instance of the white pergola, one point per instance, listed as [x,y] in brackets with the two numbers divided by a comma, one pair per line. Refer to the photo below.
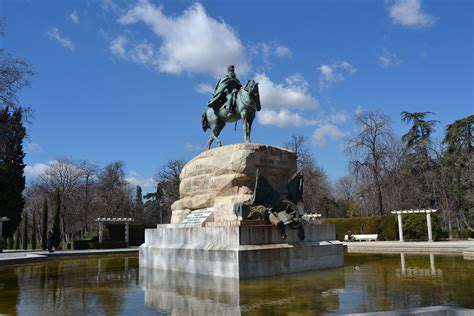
[313,217]
[428,220]
[102,220]
[2,219]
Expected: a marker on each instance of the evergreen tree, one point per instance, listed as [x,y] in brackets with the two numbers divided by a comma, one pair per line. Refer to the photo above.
[419,133]
[33,233]
[138,210]
[458,163]
[56,222]
[25,232]
[44,225]
[139,199]
[14,73]
[17,238]
[419,169]
[12,180]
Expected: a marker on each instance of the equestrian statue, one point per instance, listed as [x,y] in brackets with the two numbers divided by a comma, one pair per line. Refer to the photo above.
[231,102]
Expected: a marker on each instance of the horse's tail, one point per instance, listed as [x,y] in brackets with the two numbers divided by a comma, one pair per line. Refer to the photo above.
[204,121]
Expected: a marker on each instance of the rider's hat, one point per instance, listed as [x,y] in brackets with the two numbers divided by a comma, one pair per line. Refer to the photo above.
[230,67]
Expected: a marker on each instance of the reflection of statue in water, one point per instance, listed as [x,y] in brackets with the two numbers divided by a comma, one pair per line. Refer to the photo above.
[268,204]
[231,102]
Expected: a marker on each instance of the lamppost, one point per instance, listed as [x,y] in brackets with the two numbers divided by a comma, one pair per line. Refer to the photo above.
[361,201]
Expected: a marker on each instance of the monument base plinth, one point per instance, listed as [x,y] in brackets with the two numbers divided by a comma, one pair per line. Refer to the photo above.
[239,251]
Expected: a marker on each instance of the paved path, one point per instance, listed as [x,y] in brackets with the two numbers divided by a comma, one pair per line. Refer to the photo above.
[459,247]
[17,257]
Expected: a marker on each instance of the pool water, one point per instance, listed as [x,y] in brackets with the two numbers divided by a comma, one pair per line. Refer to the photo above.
[116,285]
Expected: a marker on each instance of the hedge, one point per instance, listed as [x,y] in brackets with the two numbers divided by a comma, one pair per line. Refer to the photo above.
[384,226]
[414,227]
[81,244]
[108,245]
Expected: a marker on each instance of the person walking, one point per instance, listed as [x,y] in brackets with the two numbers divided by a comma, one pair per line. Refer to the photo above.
[50,241]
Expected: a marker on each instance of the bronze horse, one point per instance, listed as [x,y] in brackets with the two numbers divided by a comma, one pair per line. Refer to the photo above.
[246,104]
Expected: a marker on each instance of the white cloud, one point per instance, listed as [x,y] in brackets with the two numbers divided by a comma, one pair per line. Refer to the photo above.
[33,171]
[34,148]
[117,47]
[74,17]
[270,49]
[62,40]
[359,109]
[327,132]
[334,73]
[142,53]
[191,147]
[108,5]
[388,60]
[192,42]
[291,94]
[280,103]
[283,118]
[283,51]
[408,13]
[340,117]
[204,88]
[134,178]
[266,51]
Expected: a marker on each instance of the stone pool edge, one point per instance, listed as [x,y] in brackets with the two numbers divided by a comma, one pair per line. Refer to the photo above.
[465,248]
[24,257]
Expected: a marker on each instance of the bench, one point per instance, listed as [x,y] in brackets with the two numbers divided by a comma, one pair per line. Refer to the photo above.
[362,237]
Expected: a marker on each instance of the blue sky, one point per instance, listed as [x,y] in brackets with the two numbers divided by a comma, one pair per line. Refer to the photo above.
[111,76]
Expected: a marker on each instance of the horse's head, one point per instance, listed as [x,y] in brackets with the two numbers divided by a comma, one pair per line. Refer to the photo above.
[252,88]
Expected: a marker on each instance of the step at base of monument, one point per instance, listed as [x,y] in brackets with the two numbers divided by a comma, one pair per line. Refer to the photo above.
[240,252]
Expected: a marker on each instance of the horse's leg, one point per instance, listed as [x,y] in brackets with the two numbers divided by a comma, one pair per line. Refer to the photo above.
[216,131]
[212,124]
[249,126]
[247,118]
[245,126]
[209,141]
[251,116]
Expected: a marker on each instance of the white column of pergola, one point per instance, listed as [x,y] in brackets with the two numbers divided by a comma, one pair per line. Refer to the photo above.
[428,220]
[102,220]
[2,219]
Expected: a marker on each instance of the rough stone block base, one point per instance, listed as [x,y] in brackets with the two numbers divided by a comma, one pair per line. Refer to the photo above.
[238,251]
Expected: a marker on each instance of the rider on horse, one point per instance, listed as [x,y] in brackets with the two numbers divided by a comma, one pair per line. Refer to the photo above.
[225,92]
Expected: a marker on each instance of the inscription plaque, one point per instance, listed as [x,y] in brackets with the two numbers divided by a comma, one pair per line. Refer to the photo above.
[198,217]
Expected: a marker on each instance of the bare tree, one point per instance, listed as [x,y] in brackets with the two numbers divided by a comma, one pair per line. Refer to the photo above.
[317,188]
[168,186]
[299,145]
[86,191]
[64,174]
[86,195]
[370,149]
[114,193]
[14,74]
[345,188]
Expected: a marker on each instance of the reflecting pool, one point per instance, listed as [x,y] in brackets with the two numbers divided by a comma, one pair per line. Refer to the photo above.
[115,285]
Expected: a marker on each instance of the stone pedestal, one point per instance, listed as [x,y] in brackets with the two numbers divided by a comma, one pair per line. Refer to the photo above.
[239,251]
[224,176]
[222,245]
